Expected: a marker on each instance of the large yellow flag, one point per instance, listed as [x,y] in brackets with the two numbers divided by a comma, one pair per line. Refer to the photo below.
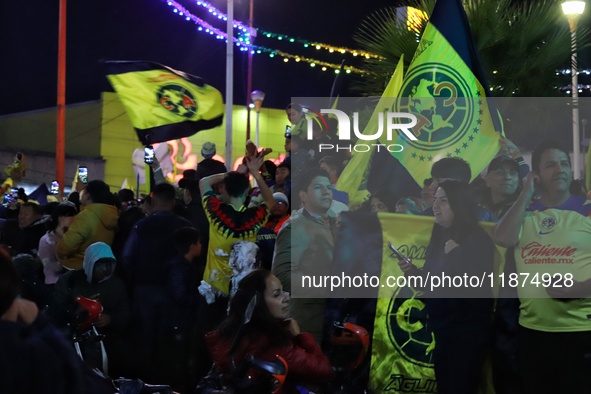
[446,90]
[164,104]
[353,179]
[402,341]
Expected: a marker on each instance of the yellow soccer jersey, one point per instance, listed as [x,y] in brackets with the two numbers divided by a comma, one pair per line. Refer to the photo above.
[554,245]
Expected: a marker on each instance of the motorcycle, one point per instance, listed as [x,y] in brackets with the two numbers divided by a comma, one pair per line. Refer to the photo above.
[136,386]
[89,345]
[349,344]
[88,342]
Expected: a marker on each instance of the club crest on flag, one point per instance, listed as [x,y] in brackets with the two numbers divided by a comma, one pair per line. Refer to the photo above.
[409,333]
[164,104]
[447,113]
[446,90]
[178,100]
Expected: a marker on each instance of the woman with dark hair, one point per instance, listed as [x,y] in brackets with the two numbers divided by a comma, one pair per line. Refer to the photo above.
[462,325]
[270,332]
[61,220]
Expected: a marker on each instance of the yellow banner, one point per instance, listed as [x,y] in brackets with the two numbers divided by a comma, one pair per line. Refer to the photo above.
[353,179]
[159,97]
[403,344]
[453,118]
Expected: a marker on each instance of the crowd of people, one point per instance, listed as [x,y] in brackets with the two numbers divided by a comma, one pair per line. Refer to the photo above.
[201,273]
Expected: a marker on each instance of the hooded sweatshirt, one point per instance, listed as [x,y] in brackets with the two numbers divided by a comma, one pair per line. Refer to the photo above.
[111,292]
[96,223]
[95,252]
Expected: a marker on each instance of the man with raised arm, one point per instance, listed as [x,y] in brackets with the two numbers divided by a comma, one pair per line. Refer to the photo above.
[229,222]
[552,274]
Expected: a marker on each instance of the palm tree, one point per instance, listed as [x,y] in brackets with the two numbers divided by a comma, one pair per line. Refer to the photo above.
[521,45]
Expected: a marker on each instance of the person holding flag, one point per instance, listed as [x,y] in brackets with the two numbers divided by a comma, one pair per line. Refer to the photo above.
[446,89]
[463,324]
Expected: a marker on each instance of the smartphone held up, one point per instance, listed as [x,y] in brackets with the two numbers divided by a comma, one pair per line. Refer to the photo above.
[149,154]
[55,187]
[83,174]
[399,255]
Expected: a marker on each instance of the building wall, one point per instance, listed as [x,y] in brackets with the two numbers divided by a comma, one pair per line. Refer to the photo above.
[119,140]
[99,135]
[35,131]
[34,134]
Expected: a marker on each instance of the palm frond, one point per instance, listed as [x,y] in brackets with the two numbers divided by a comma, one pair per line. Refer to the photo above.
[521,46]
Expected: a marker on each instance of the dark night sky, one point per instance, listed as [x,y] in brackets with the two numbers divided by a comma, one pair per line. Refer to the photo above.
[148,30]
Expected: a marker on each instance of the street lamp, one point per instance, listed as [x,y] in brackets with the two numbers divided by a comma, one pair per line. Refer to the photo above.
[257,98]
[573,10]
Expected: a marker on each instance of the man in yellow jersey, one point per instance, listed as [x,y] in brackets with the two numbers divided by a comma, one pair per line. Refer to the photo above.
[552,240]
[230,222]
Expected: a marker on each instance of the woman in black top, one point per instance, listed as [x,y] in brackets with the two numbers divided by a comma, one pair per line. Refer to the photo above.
[460,310]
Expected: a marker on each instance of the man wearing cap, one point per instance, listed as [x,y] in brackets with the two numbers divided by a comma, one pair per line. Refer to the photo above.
[209,166]
[551,240]
[267,235]
[502,181]
[279,212]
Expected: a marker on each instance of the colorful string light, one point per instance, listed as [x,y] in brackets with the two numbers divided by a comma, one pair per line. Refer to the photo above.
[317,45]
[245,30]
[205,27]
[243,41]
[313,62]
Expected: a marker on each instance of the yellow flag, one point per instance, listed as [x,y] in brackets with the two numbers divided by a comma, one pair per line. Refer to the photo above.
[445,88]
[402,342]
[353,179]
[164,104]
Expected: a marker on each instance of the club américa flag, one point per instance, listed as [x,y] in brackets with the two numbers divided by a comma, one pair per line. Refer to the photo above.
[164,104]
[446,89]
[402,339]
[355,177]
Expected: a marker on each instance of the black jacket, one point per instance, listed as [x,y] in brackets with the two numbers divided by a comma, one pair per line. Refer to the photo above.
[37,358]
[182,294]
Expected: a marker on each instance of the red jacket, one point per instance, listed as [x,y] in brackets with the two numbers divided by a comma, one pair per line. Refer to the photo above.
[307,365]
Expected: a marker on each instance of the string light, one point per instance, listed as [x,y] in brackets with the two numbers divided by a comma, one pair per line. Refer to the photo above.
[242,28]
[313,62]
[284,37]
[243,41]
[244,44]
[204,26]
[567,71]
[317,45]
[244,36]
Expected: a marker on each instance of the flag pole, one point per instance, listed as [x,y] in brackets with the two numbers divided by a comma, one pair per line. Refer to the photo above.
[60,143]
[229,82]
[252,33]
